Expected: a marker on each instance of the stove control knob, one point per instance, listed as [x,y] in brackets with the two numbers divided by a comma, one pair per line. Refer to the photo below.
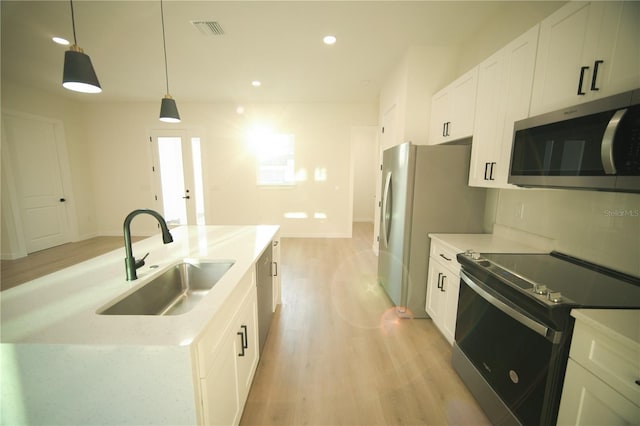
[540,289]
[555,296]
[475,255]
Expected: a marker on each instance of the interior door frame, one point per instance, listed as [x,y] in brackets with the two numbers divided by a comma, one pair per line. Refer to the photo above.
[12,218]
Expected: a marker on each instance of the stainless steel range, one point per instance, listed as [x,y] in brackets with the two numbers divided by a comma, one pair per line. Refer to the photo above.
[513,328]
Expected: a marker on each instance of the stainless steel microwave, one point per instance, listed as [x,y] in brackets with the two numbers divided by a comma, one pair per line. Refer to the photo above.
[595,145]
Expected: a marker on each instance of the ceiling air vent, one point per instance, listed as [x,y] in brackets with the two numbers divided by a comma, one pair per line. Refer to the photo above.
[208,28]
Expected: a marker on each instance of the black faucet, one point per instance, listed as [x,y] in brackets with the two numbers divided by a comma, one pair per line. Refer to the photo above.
[130,262]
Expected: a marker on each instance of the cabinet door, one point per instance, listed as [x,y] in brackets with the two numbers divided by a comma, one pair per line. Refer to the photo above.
[463,106]
[618,47]
[439,117]
[504,94]
[221,405]
[586,400]
[434,295]
[561,56]
[519,62]
[487,129]
[451,288]
[246,347]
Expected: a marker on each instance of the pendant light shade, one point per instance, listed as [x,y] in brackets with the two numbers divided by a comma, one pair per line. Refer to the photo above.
[169,110]
[78,74]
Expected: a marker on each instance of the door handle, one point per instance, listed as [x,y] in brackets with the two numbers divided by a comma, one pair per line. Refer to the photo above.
[582,70]
[186,197]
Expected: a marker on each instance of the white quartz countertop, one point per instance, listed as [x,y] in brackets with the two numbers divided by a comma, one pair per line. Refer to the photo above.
[619,324]
[60,308]
[488,243]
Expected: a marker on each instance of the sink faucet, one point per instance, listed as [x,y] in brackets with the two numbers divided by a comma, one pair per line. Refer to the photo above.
[130,262]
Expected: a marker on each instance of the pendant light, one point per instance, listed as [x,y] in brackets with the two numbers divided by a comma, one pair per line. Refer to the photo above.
[168,108]
[78,74]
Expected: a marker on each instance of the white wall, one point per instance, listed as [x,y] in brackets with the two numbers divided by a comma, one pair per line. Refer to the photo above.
[110,158]
[364,154]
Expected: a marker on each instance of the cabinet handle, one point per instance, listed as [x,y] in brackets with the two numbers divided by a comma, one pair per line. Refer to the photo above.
[486,168]
[444,129]
[491,171]
[274,272]
[445,257]
[442,289]
[439,277]
[582,70]
[245,342]
[448,134]
[596,65]
[241,334]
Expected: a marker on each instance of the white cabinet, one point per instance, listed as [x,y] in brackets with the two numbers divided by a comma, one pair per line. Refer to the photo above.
[443,286]
[503,97]
[586,50]
[453,110]
[600,384]
[228,357]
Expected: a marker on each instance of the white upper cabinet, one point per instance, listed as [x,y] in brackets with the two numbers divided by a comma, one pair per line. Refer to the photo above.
[586,51]
[453,110]
[503,97]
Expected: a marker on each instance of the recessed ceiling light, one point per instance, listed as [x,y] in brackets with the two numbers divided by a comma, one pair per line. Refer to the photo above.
[256,83]
[240,110]
[60,40]
[329,39]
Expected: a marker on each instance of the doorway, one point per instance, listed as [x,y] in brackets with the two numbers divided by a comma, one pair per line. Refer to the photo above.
[177,172]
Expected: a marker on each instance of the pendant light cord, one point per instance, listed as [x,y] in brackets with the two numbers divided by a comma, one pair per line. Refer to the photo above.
[73,24]
[164,45]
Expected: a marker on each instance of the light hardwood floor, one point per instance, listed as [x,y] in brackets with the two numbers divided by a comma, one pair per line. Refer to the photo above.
[336,353]
[44,262]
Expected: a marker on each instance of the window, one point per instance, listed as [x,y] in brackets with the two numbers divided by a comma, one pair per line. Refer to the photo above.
[275,160]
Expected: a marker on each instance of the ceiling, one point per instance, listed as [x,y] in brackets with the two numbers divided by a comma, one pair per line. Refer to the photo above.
[276,42]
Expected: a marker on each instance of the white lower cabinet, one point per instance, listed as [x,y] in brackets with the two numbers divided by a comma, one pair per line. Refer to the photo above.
[228,360]
[587,400]
[601,382]
[443,286]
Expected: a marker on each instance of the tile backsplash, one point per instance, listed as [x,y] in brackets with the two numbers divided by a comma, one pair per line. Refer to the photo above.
[601,227]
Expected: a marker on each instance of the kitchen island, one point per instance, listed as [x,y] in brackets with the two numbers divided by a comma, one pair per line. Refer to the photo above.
[64,363]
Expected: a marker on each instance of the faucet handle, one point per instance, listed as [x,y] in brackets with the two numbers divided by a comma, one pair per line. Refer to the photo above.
[140,263]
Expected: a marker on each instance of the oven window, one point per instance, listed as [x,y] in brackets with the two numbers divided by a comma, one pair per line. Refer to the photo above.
[512,358]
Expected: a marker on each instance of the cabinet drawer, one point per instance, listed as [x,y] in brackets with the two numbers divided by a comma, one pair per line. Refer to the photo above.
[445,255]
[614,361]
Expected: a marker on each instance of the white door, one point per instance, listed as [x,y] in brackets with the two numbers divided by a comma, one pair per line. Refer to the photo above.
[178,173]
[34,161]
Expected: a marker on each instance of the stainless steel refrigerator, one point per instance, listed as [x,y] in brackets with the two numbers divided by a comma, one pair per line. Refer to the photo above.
[424,190]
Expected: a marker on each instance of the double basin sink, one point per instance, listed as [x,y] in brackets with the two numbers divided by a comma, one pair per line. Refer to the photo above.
[174,292]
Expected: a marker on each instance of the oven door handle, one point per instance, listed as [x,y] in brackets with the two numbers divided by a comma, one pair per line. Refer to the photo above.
[549,334]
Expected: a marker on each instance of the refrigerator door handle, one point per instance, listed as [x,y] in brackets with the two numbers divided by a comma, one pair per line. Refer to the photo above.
[386,210]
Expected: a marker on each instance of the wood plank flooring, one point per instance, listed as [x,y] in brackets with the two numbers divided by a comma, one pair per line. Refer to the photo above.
[336,353]
[18,271]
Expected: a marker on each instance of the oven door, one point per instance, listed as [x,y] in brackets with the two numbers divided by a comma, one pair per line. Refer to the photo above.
[512,351]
